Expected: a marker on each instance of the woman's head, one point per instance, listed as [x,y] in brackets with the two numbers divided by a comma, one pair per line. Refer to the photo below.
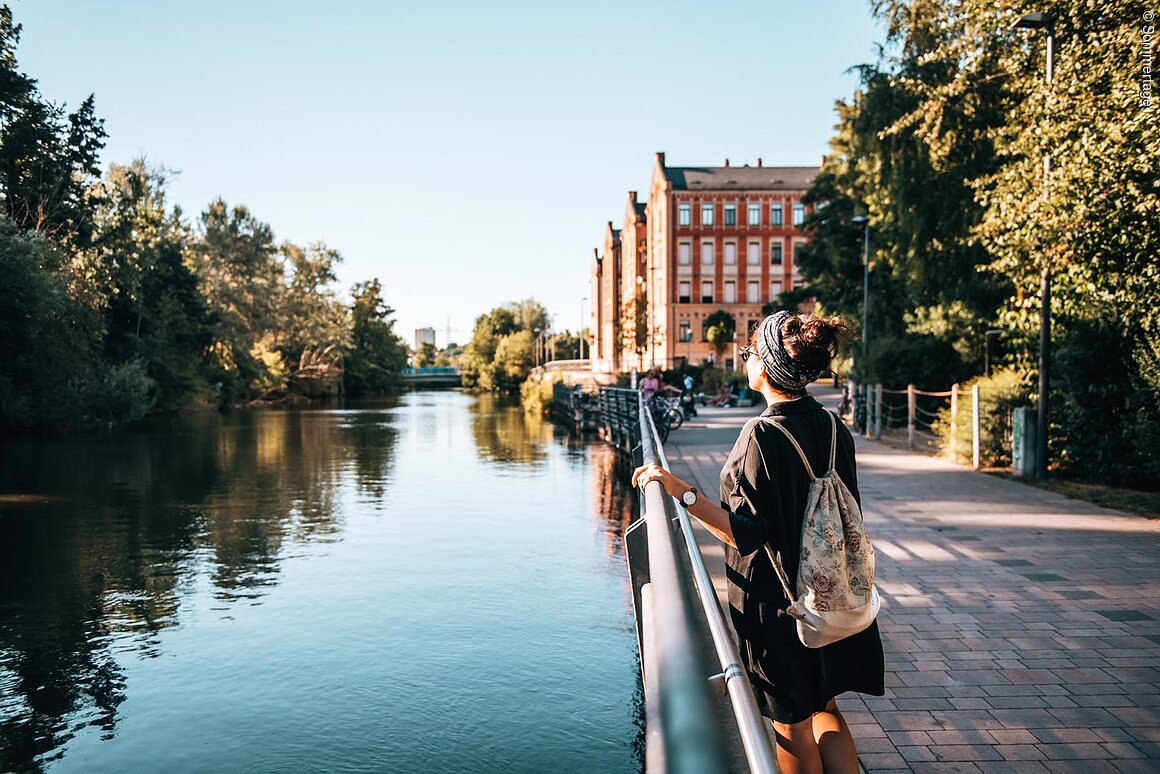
[791,350]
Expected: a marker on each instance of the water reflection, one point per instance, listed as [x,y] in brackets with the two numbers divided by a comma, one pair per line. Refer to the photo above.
[505,434]
[102,537]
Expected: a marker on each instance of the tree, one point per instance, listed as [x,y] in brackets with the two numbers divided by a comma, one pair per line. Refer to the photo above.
[374,365]
[47,157]
[153,310]
[719,329]
[425,357]
[311,316]
[241,279]
[501,352]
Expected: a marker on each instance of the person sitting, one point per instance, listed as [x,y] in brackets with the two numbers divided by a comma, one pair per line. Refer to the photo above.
[724,397]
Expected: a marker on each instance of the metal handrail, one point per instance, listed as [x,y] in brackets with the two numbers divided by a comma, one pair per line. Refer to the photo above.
[682,733]
[751,725]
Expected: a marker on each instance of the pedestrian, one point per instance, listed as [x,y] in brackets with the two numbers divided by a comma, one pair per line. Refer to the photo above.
[649,385]
[688,399]
[763,499]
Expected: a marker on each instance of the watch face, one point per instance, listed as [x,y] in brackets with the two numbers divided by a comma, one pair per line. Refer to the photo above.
[690,497]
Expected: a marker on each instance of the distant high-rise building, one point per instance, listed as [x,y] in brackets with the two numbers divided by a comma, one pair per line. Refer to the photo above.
[424,336]
[707,239]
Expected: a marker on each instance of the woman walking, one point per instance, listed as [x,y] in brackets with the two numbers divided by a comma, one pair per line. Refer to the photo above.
[763,499]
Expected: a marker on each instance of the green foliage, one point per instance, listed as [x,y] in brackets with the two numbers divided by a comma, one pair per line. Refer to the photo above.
[426,355]
[114,305]
[501,352]
[943,150]
[1107,405]
[999,395]
[720,327]
[377,357]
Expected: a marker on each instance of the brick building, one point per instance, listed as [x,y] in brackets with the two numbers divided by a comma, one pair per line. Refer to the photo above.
[706,239]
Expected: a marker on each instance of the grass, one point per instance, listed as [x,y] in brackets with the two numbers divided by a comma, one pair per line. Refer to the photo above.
[1137,501]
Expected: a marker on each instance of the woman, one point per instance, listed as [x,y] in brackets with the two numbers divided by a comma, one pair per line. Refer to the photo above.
[763,499]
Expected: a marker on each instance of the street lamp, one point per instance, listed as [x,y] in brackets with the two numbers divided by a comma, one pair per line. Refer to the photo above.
[987,349]
[1037,21]
[865,223]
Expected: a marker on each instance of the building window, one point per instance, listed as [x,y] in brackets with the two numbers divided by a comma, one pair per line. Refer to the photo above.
[799,213]
[707,214]
[684,254]
[775,289]
[755,214]
[705,331]
[684,214]
[730,293]
[753,292]
[684,292]
[730,253]
[707,254]
[797,251]
[775,215]
[753,257]
[799,283]
[706,292]
[686,331]
[775,253]
[730,214]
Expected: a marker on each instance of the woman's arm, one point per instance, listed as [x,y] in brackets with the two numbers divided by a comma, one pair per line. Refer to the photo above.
[708,512]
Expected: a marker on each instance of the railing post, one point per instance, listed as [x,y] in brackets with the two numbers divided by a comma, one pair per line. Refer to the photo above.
[954,421]
[878,412]
[910,406]
[975,427]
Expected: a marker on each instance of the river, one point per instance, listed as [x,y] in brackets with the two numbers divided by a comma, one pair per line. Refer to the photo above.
[432,584]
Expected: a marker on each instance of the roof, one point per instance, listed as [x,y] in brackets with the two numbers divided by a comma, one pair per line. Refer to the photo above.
[740,178]
[640,208]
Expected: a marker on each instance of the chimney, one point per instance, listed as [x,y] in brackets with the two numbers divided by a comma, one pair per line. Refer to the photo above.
[823,160]
[632,196]
[759,162]
[726,162]
[661,158]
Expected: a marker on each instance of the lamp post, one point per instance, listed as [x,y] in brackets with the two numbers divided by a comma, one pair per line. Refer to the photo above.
[987,349]
[865,223]
[1037,21]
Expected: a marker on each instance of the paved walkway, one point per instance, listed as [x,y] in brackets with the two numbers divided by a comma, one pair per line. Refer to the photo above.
[1021,628]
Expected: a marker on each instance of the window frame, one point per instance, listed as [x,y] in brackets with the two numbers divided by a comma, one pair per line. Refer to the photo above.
[684,209]
[711,295]
[776,216]
[727,209]
[799,213]
[776,244]
[687,297]
[710,208]
[753,207]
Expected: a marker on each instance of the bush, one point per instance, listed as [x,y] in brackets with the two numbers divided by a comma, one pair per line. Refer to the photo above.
[896,361]
[999,396]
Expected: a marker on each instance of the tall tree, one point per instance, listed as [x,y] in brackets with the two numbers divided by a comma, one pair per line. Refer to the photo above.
[374,365]
[241,277]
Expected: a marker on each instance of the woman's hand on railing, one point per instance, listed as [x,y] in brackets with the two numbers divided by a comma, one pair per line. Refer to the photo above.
[673,486]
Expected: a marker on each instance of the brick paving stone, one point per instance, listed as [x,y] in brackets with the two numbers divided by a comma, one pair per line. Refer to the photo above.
[1013,736]
[879,761]
[916,754]
[966,752]
[1073,751]
[1057,676]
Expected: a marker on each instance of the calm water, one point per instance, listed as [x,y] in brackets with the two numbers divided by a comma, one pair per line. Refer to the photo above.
[430,585]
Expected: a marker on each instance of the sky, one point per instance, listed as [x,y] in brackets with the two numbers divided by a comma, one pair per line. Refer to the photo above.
[468,154]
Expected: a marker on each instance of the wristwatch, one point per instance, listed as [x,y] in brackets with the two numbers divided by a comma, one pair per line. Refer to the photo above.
[689,497]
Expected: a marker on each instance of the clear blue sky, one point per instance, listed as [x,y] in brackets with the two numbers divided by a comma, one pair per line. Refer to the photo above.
[466,153]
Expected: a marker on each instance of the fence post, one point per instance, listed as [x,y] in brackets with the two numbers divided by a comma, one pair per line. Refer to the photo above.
[954,422]
[878,412]
[975,427]
[910,405]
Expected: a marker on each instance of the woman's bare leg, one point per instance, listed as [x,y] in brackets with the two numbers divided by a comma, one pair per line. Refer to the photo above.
[797,750]
[834,741]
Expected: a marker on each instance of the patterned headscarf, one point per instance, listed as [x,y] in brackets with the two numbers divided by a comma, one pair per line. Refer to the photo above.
[779,367]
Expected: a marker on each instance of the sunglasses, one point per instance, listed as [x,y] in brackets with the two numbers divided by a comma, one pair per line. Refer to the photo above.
[744,353]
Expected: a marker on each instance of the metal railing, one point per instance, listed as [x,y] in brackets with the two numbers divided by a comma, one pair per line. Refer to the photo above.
[681,718]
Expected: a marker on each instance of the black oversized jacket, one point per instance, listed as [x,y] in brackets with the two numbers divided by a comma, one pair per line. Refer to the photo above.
[764,487]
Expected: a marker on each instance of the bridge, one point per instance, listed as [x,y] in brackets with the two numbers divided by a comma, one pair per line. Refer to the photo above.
[437,376]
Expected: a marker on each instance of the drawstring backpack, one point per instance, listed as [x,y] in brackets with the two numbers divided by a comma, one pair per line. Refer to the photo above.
[835,584]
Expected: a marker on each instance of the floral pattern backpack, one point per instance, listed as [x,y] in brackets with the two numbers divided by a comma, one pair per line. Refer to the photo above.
[835,596]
